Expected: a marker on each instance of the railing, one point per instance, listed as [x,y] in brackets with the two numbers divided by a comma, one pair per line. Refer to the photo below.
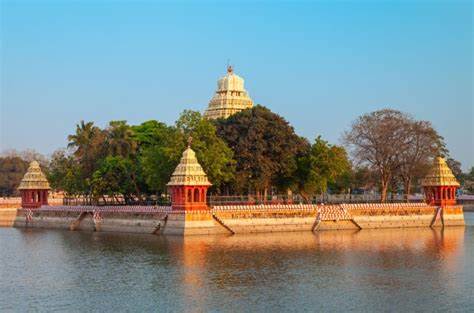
[213,200]
[296,199]
[117,201]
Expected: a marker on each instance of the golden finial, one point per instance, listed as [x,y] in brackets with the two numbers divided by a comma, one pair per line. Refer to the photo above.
[229,69]
[190,141]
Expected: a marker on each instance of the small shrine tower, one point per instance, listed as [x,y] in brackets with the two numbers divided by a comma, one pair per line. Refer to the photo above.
[188,184]
[34,188]
[440,185]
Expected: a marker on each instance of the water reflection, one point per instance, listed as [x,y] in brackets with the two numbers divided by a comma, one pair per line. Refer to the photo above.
[333,270]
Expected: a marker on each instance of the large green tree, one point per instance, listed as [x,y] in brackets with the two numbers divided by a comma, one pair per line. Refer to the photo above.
[159,150]
[325,164]
[113,178]
[212,151]
[265,149]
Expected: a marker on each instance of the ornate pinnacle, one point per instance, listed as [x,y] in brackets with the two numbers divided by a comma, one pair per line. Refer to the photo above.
[190,141]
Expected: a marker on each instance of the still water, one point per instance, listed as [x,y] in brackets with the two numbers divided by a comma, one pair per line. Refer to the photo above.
[382,270]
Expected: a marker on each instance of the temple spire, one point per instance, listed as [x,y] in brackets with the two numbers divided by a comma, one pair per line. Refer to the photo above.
[230,97]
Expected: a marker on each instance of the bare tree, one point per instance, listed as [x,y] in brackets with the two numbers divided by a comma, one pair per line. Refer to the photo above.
[415,160]
[377,140]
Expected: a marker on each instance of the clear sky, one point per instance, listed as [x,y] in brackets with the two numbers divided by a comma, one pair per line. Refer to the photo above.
[319,64]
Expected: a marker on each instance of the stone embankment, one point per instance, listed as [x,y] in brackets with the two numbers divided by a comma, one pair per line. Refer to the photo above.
[238,219]
[7,217]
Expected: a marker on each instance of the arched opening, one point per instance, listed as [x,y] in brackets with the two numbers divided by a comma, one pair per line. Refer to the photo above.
[190,195]
[196,195]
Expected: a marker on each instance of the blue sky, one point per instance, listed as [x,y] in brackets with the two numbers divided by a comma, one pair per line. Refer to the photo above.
[319,64]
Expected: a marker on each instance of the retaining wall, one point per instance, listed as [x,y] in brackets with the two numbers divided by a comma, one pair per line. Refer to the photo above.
[7,217]
[239,219]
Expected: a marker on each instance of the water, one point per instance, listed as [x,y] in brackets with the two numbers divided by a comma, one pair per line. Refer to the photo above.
[382,270]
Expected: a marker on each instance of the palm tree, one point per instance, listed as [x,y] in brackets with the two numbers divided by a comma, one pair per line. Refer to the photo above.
[82,140]
[88,142]
[120,139]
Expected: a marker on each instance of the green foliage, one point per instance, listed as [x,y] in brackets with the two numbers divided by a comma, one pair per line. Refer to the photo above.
[324,165]
[265,149]
[214,155]
[65,174]
[113,177]
[120,139]
[12,169]
[88,144]
[253,151]
[160,148]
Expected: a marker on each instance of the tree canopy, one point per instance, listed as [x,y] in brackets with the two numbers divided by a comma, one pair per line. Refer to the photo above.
[265,149]
[394,145]
[252,152]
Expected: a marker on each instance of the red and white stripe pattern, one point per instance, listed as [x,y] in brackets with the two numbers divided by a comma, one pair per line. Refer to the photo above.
[97,217]
[28,215]
[107,209]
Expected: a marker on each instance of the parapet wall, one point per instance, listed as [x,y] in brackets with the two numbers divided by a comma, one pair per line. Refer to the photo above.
[274,218]
[134,219]
[240,219]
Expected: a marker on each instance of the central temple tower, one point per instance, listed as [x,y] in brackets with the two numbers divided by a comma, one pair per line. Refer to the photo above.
[230,97]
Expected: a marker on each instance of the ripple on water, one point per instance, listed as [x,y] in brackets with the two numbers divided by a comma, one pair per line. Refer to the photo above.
[399,270]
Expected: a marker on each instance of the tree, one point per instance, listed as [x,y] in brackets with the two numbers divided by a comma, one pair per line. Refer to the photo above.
[214,155]
[415,160]
[65,174]
[120,139]
[161,147]
[151,133]
[378,139]
[455,167]
[12,170]
[89,149]
[469,180]
[322,166]
[113,177]
[265,149]
[364,178]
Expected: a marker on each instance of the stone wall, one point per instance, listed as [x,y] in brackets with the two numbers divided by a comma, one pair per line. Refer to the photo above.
[238,219]
[95,220]
[276,218]
[7,217]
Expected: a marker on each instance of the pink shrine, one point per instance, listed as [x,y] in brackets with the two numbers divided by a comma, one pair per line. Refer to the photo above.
[34,188]
[440,185]
[188,184]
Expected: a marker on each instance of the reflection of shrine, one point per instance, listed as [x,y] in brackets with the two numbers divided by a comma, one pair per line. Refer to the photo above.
[228,260]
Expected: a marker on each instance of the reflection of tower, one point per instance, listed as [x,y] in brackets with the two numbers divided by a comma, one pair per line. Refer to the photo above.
[188,185]
[440,185]
[230,97]
[34,187]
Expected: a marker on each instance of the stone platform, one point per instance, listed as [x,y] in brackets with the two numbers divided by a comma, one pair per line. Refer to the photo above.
[237,219]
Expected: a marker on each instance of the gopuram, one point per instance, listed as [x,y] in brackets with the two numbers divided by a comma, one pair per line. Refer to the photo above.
[230,97]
